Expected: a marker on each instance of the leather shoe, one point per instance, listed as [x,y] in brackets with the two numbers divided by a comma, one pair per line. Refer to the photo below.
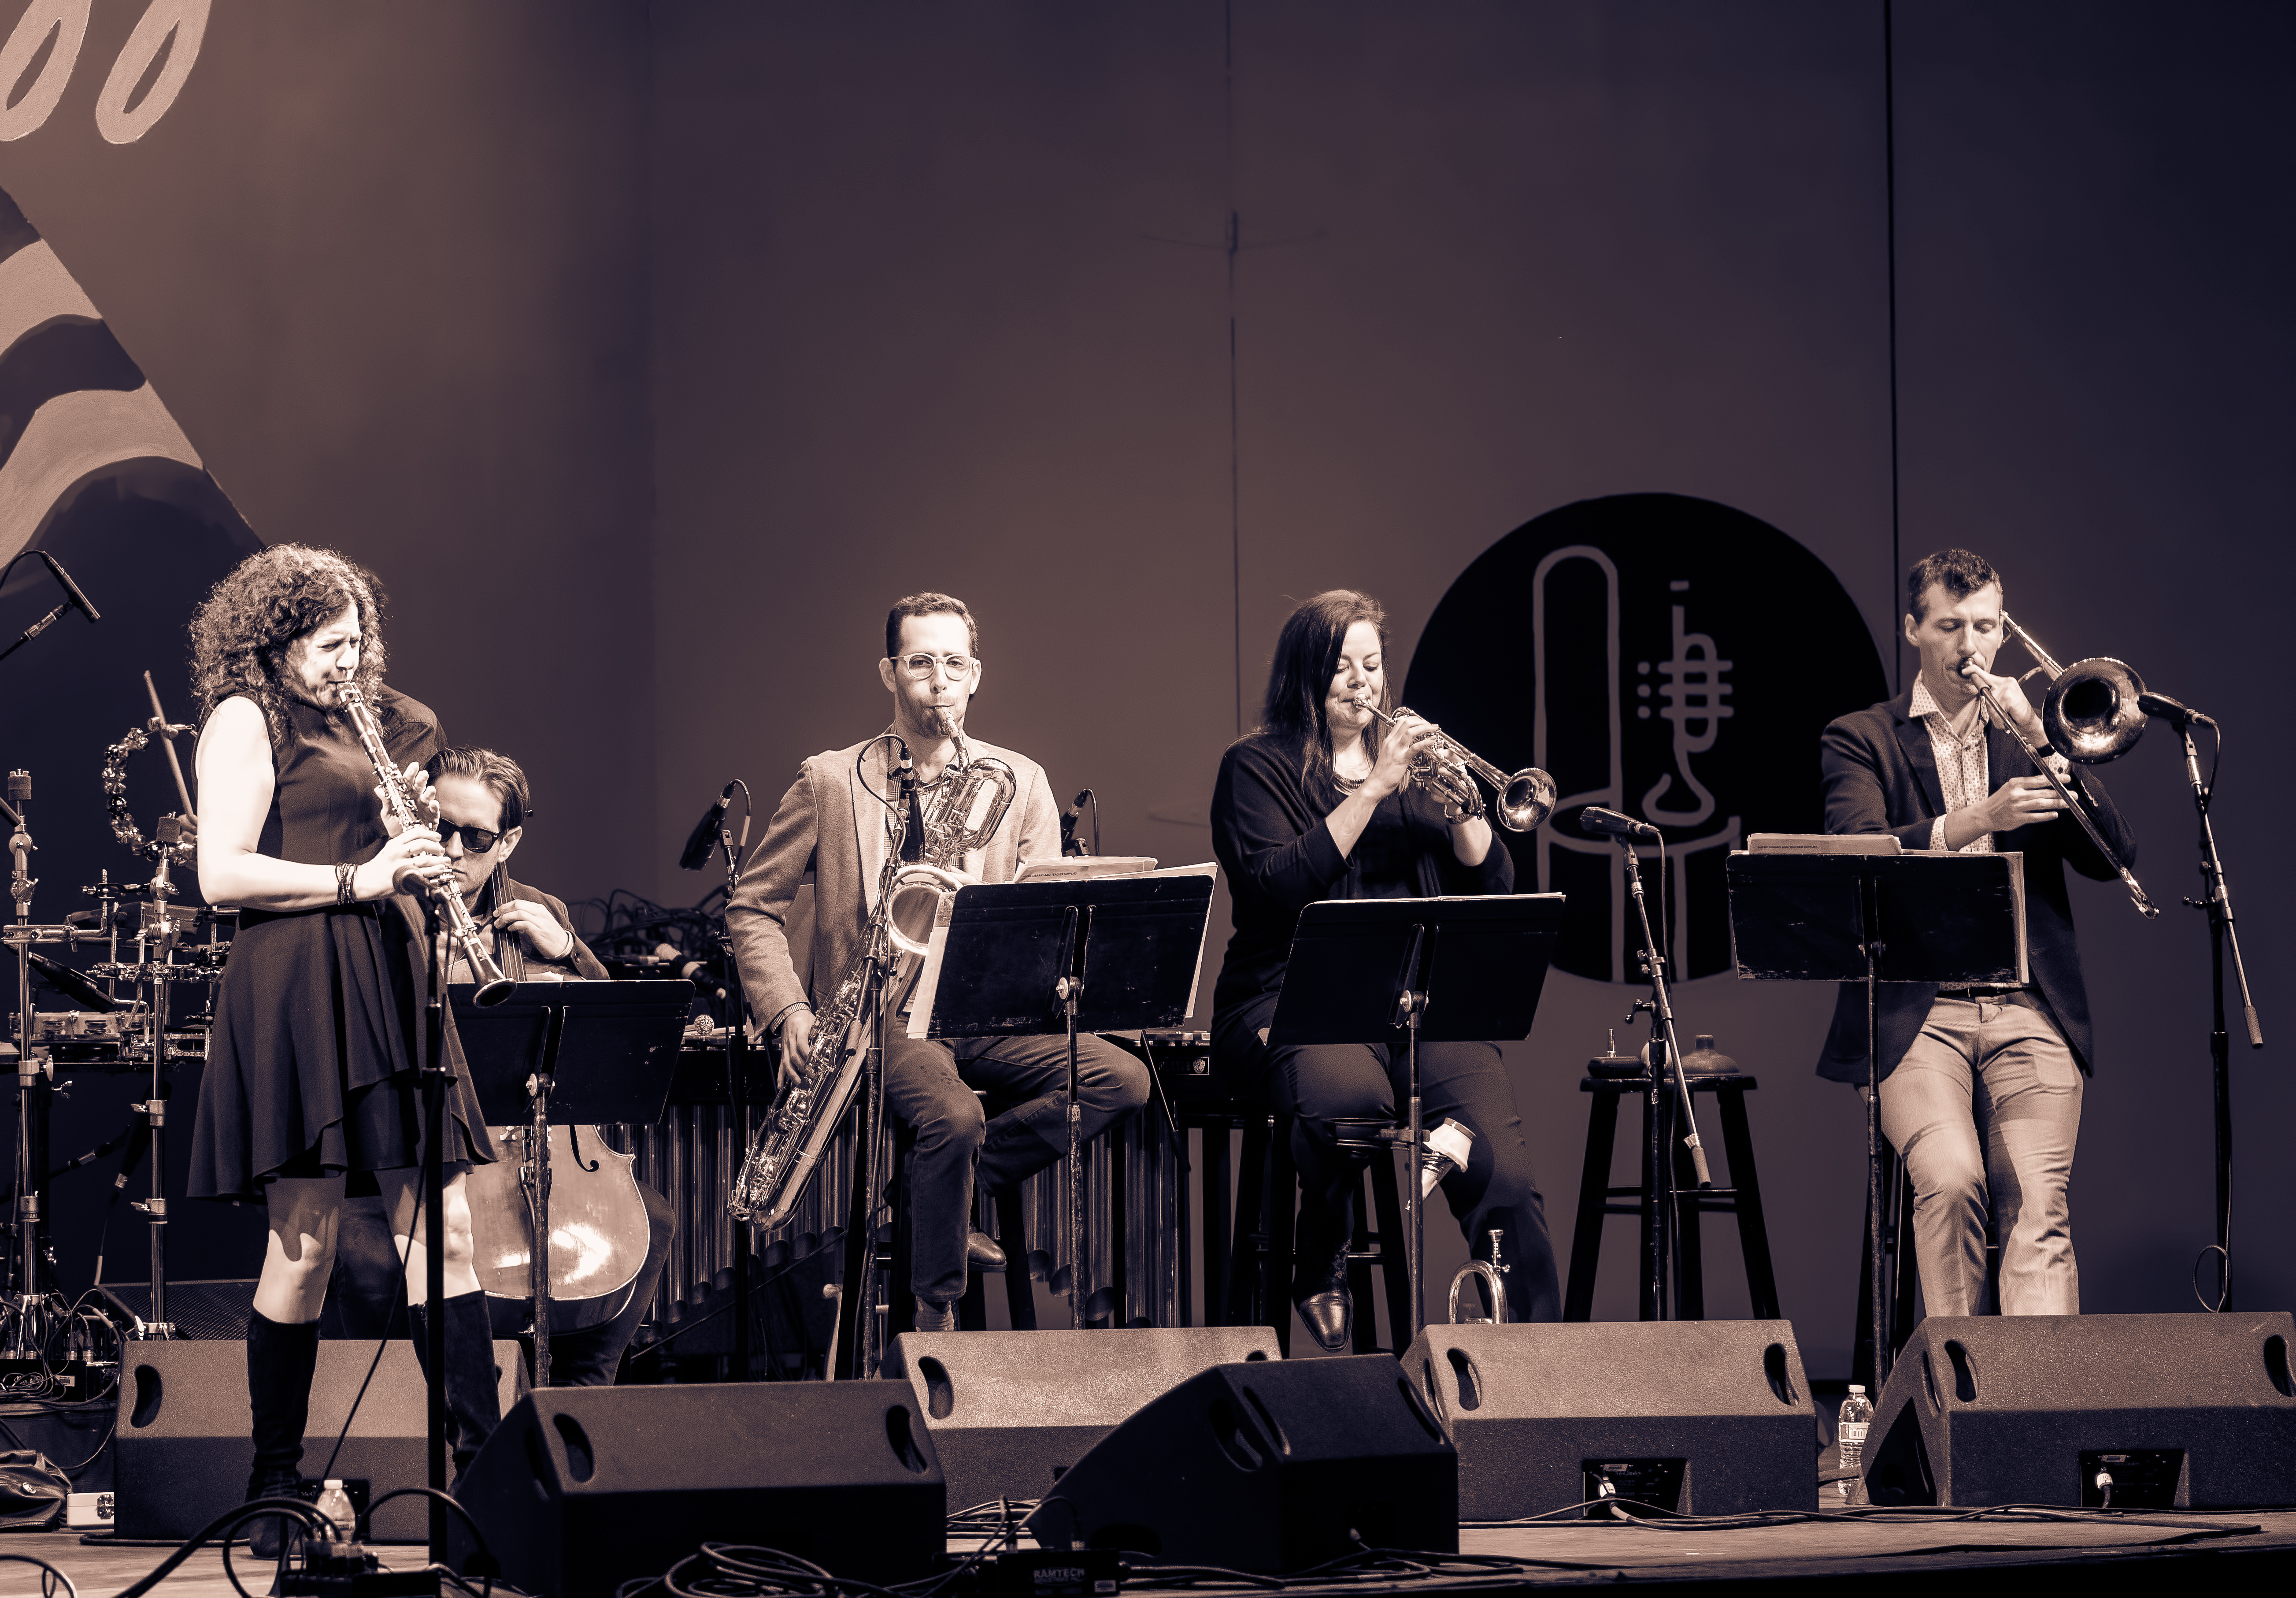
[981,1252]
[1321,1296]
[936,1317]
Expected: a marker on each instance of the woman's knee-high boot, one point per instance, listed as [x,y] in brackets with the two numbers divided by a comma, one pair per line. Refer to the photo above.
[280,1359]
[473,1403]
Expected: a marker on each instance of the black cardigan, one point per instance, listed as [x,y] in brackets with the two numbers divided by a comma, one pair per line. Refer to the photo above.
[1275,845]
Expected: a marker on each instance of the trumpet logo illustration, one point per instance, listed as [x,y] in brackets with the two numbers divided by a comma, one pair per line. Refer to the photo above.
[1646,694]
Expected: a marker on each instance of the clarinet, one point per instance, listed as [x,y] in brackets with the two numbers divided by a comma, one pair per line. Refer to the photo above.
[493,986]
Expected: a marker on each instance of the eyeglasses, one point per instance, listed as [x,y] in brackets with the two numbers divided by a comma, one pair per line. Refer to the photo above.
[920,667]
[476,840]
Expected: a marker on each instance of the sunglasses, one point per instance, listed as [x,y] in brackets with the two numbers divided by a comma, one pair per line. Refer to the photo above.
[476,840]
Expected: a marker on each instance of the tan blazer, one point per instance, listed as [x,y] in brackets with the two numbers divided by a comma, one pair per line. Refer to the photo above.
[829,830]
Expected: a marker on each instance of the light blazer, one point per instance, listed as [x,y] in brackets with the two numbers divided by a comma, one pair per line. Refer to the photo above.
[1880,776]
[830,829]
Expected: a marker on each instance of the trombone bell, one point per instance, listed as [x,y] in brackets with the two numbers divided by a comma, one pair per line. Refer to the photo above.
[2091,715]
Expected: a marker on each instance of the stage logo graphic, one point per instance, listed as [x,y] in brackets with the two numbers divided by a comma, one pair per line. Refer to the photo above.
[1665,656]
[151,69]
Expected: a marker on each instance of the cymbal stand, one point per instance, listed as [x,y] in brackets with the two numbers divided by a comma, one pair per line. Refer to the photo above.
[27,1309]
[159,936]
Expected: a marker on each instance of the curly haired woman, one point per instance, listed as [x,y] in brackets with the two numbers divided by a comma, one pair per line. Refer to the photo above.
[310,1088]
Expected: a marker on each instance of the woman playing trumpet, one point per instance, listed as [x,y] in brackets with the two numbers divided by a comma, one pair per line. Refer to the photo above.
[1318,804]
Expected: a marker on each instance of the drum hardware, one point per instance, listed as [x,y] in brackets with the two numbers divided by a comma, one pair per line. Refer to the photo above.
[161,927]
[34,1313]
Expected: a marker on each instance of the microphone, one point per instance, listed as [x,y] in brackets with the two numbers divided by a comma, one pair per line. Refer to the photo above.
[1069,819]
[909,772]
[2168,710]
[1594,818]
[704,836]
[71,589]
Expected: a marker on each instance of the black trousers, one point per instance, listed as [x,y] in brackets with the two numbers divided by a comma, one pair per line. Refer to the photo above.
[1318,1085]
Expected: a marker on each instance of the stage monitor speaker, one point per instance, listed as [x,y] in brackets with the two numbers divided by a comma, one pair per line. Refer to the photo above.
[2179,1411]
[583,1488]
[1010,1410]
[1267,1466]
[182,1453]
[1699,1417]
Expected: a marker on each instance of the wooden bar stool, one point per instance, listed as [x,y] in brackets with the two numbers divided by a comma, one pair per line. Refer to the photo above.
[1382,1245]
[1615,1077]
[1267,1211]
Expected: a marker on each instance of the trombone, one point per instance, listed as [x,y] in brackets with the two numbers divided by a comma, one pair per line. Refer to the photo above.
[1523,801]
[2090,715]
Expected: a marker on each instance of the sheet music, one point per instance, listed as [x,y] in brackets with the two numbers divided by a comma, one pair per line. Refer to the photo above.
[921,997]
[1823,843]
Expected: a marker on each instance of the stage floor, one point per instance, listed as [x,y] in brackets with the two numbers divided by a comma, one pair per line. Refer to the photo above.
[1982,1553]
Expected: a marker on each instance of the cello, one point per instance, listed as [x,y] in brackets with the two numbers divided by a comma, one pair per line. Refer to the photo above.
[598,1226]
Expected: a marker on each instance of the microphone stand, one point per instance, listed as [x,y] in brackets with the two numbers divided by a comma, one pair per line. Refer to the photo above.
[737,1102]
[434,1078]
[1664,1053]
[2224,935]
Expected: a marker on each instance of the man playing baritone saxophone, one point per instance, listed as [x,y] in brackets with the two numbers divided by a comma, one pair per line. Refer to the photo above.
[837,822]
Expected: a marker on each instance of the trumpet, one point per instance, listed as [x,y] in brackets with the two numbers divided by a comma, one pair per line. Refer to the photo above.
[493,986]
[1449,772]
[2090,715]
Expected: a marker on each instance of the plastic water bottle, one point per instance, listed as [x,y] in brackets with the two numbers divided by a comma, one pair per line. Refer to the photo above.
[335,1504]
[1849,1433]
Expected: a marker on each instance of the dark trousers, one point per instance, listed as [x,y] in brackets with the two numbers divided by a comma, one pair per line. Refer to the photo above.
[363,1296]
[930,1085]
[1318,1085]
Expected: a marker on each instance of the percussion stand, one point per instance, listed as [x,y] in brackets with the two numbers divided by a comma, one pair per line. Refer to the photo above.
[26,1300]
[160,931]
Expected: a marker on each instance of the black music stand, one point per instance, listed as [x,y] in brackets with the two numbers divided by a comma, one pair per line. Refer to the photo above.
[1926,916]
[1364,971]
[561,1054]
[1099,954]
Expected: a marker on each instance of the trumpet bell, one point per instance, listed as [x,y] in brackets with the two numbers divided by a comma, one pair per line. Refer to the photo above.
[2091,715]
[1527,800]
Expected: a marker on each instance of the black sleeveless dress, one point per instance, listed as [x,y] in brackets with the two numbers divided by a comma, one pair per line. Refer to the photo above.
[318,1018]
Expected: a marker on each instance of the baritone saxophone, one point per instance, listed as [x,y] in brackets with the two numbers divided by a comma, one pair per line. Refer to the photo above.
[812,1100]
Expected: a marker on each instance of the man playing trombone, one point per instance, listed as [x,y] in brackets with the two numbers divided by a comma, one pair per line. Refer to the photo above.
[1980,1087]
[837,822]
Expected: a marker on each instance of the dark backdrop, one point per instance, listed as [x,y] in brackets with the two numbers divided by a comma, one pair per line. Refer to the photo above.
[648,352]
